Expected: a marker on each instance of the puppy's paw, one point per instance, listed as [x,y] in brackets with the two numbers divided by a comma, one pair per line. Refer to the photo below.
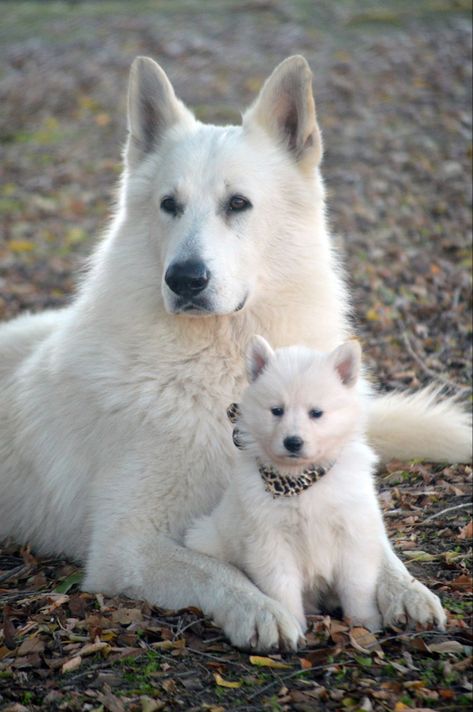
[258,623]
[407,601]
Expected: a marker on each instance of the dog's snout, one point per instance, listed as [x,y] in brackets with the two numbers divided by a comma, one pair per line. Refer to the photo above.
[187,279]
[293,443]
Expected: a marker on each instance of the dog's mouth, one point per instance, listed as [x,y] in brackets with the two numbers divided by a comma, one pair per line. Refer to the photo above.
[201,307]
[290,460]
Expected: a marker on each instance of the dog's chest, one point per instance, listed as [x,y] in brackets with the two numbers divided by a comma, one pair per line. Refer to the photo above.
[310,527]
[192,446]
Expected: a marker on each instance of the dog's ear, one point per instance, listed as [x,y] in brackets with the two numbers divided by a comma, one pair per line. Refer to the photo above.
[258,354]
[153,108]
[346,360]
[285,109]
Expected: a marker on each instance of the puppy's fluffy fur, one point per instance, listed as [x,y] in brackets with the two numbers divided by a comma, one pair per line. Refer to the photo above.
[329,538]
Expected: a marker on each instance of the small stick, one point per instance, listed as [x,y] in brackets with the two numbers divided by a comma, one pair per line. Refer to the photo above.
[449,509]
[432,374]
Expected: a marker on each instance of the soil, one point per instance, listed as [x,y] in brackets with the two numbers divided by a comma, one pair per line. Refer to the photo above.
[393,92]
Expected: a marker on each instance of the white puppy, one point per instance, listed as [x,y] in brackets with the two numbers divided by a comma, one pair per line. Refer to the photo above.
[301,515]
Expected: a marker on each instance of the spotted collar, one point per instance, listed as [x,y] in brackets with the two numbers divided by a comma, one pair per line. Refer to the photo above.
[277,484]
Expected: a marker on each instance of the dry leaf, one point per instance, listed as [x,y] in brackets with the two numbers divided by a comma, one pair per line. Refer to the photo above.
[467,531]
[268,662]
[170,644]
[71,664]
[417,555]
[221,682]
[363,640]
[92,648]
[462,583]
[31,645]
[447,646]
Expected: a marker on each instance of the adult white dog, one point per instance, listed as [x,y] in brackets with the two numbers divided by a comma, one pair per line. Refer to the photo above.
[113,433]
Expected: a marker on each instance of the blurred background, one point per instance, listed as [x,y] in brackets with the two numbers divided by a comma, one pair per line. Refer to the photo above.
[393,92]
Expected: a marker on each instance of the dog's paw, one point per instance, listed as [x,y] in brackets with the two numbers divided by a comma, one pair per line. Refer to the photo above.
[258,623]
[407,601]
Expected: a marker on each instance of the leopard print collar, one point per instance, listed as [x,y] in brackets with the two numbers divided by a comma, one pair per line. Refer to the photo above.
[275,483]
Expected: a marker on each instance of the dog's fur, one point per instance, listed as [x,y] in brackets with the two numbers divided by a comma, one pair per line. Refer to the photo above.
[328,538]
[112,413]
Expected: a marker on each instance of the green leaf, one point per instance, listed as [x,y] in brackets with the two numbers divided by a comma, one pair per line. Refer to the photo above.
[66,585]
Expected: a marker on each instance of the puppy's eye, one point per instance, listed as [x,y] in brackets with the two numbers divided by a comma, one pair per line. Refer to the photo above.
[169,205]
[278,411]
[315,413]
[237,204]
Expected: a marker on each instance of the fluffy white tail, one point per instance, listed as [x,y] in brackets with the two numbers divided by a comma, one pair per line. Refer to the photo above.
[420,425]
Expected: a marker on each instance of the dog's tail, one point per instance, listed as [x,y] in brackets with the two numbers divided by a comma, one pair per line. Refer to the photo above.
[420,425]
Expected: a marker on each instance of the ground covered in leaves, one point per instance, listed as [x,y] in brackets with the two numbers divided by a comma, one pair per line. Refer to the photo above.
[393,88]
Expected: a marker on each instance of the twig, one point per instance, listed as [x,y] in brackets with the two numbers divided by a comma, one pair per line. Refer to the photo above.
[23,568]
[302,672]
[465,505]
[432,374]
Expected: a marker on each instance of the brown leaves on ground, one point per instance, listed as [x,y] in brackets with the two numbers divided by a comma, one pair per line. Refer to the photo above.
[393,88]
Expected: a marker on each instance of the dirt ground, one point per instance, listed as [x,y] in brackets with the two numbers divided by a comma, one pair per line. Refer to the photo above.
[393,91]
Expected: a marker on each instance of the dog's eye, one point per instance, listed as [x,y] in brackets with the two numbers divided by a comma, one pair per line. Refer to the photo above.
[278,411]
[315,413]
[169,205]
[237,203]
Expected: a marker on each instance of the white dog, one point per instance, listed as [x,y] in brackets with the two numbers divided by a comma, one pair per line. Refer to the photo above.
[111,432]
[301,514]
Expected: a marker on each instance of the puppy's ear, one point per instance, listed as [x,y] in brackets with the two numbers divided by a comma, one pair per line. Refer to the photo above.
[285,109]
[346,360]
[153,108]
[258,355]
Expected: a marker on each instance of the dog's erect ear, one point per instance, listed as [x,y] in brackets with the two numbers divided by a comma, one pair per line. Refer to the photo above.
[285,109]
[258,354]
[153,107]
[346,360]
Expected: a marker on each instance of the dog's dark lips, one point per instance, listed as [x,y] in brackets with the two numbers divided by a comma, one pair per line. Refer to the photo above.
[241,304]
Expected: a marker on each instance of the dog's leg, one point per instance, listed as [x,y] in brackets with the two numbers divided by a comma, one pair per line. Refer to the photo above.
[356,587]
[139,561]
[277,575]
[402,599]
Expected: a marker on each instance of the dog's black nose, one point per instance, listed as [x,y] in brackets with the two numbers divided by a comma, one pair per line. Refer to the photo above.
[293,443]
[187,278]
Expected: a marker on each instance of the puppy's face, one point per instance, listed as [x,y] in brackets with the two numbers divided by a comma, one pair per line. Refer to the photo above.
[301,407]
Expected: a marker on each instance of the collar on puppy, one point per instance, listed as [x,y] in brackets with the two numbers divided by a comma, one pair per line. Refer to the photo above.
[277,484]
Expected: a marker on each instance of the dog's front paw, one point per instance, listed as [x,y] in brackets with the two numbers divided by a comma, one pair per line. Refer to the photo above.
[259,623]
[405,600]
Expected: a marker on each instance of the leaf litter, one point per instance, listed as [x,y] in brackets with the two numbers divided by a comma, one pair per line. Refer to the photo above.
[395,110]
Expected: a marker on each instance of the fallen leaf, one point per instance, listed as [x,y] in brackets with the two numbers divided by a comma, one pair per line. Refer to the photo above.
[305,663]
[462,583]
[31,645]
[268,662]
[447,646]
[363,640]
[170,644]
[9,631]
[150,705]
[92,648]
[72,580]
[417,555]
[467,531]
[71,664]
[221,682]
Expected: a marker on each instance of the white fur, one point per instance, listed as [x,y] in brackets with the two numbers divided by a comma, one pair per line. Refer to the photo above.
[112,428]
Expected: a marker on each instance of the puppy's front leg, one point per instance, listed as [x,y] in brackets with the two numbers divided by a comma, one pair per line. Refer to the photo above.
[276,573]
[402,598]
[356,584]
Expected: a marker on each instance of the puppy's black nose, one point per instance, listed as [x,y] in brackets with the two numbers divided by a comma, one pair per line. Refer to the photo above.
[293,443]
[187,279]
